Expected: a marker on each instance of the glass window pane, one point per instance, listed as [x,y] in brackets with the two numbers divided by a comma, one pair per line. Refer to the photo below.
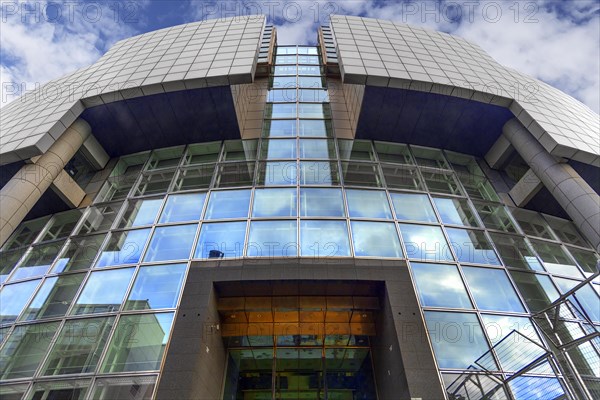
[319,173]
[566,231]
[308,70]
[24,350]
[240,150]
[277,173]
[123,248]
[273,239]
[425,243]
[324,239]
[413,207]
[313,95]
[532,223]
[587,260]
[308,59]
[400,177]
[221,240]
[312,110]
[13,298]
[356,150]
[103,291]
[317,148]
[317,128]
[515,252]
[368,204]
[68,390]
[441,182]
[393,152]
[472,177]
[196,177]
[495,217]
[54,297]
[427,157]
[440,285]
[78,346]
[140,212]
[8,261]
[498,327]
[79,253]
[282,82]
[313,82]
[282,95]
[377,239]
[522,388]
[165,158]
[118,187]
[183,207]
[492,289]
[362,174]
[25,234]
[586,296]
[274,203]
[472,246]
[457,338]
[278,149]
[474,386]
[156,287]
[228,204]
[556,259]
[455,211]
[286,50]
[537,290]
[37,261]
[285,70]
[121,388]
[138,343]
[202,153]
[280,128]
[154,183]
[321,202]
[100,218]
[171,243]
[234,175]
[280,110]
[61,225]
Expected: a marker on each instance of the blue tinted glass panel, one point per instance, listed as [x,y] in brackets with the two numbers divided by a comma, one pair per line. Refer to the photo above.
[280,128]
[587,297]
[183,207]
[315,127]
[104,291]
[308,59]
[272,239]
[425,243]
[498,327]
[376,239]
[317,148]
[536,388]
[274,203]
[278,148]
[314,82]
[308,70]
[286,59]
[13,298]
[54,297]
[492,289]
[413,207]
[123,248]
[472,246]
[156,287]
[281,110]
[368,204]
[37,261]
[228,204]
[457,338]
[313,96]
[285,70]
[440,285]
[312,110]
[324,239]
[171,243]
[321,202]
[140,212]
[221,240]
[282,82]
[455,212]
[282,95]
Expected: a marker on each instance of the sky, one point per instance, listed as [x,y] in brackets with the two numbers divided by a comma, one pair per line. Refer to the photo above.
[555,41]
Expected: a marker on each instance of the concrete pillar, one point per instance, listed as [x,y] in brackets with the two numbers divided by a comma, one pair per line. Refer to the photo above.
[28,185]
[571,191]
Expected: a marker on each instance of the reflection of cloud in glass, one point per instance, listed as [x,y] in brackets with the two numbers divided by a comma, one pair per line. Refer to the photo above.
[472,246]
[368,204]
[425,243]
[226,237]
[413,207]
[123,248]
[321,202]
[104,291]
[492,289]
[440,286]
[274,203]
[185,207]
[378,239]
[324,239]
[171,243]
[272,239]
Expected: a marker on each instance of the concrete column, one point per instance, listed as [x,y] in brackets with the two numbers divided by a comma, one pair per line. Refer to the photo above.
[571,191]
[28,185]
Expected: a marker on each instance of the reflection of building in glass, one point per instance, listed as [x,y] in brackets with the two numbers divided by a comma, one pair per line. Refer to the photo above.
[375,217]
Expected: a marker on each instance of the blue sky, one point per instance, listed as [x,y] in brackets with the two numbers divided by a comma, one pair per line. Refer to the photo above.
[555,41]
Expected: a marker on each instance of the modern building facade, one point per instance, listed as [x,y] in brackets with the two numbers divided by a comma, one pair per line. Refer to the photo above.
[391,214]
